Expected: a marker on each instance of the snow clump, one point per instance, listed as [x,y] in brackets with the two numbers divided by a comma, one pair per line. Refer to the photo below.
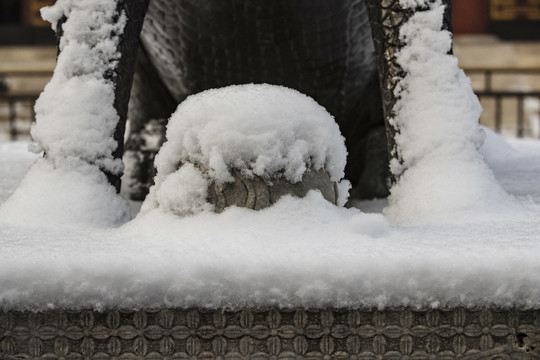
[441,175]
[411,4]
[75,124]
[184,192]
[259,129]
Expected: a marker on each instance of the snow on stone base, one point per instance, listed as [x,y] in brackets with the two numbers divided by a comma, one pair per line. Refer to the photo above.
[67,195]
[297,253]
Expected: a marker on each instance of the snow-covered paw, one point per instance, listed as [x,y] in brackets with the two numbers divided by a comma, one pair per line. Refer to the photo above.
[247,145]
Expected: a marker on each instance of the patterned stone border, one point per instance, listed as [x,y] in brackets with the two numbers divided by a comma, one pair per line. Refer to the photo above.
[402,333]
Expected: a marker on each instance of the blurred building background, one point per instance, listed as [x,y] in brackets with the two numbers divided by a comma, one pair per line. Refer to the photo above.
[27,60]
[497,43]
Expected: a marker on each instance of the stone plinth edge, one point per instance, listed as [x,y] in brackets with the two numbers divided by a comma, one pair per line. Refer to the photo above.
[270,333]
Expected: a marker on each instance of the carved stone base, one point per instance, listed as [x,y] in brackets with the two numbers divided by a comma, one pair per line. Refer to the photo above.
[270,333]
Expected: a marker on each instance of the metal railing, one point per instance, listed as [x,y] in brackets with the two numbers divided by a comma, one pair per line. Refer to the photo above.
[10,98]
[499,95]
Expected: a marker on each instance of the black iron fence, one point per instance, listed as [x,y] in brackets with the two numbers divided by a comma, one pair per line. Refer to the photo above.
[17,106]
[500,93]
[13,101]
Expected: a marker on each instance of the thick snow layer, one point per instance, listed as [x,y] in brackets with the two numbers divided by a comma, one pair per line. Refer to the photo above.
[14,162]
[259,129]
[300,252]
[442,178]
[75,123]
[51,195]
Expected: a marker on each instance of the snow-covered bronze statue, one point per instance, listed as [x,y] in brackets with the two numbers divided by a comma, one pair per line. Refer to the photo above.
[322,48]
[443,274]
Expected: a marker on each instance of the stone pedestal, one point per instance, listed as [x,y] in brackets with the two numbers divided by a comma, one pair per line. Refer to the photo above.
[269,333]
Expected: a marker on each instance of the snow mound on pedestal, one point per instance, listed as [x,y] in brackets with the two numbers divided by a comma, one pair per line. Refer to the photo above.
[259,129]
[495,149]
[442,177]
[67,194]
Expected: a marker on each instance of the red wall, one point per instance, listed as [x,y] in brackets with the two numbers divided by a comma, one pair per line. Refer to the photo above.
[469,16]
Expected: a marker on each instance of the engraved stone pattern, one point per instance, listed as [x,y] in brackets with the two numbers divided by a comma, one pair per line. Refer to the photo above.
[271,334]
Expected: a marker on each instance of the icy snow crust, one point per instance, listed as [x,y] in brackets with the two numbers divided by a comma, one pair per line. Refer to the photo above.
[300,252]
[260,129]
[75,123]
[442,178]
